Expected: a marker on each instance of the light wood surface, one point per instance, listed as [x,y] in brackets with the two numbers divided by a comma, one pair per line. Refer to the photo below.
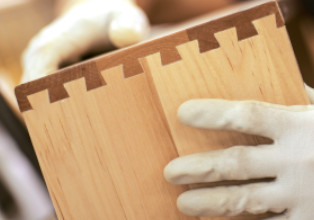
[257,68]
[103,130]
[104,159]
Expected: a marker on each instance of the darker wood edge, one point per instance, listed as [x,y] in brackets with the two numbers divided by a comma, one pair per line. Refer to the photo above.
[129,57]
[242,21]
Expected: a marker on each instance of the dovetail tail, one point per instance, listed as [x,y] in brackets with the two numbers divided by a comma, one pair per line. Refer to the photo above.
[57,93]
[169,56]
[92,76]
[204,34]
[246,30]
[132,68]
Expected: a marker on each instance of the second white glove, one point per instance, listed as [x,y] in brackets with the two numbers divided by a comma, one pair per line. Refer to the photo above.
[290,160]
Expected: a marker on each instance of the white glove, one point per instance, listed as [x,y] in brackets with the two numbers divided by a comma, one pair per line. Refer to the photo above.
[290,159]
[91,24]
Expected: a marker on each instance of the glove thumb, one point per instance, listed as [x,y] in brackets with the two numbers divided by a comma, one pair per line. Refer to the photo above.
[128,26]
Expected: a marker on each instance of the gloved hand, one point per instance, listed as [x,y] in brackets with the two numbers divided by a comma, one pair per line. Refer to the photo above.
[88,25]
[290,160]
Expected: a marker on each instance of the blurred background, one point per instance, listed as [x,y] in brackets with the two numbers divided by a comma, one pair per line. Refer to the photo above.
[22,19]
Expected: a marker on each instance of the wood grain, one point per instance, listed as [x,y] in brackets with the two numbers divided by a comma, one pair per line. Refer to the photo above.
[255,68]
[103,151]
[103,130]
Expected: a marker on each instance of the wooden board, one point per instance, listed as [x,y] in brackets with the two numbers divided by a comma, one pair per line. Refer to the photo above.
[103,130]
[255,68]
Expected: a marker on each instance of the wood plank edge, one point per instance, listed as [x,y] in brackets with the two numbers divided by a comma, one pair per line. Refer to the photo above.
[129,57]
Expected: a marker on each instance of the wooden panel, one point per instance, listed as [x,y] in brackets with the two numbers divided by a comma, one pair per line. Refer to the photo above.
[262,68]
[103,130]
[103,151]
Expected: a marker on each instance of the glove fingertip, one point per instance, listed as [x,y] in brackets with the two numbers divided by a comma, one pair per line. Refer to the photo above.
[190,204]
[187,112]
[129,28]
[170,172]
